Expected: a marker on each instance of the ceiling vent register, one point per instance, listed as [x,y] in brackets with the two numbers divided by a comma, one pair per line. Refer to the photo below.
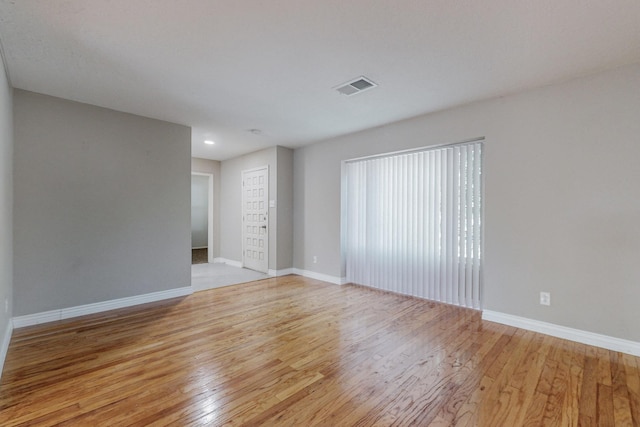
[357,85]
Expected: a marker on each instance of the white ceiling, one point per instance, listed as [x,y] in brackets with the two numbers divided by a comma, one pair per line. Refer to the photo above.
[225,67]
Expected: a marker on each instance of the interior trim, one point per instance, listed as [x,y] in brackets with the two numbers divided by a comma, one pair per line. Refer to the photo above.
[81,310]
[571,334]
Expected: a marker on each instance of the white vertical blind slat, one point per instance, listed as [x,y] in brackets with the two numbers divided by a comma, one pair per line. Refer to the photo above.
[420,278]
[431,236]
[477,226]
[458,293]
[447,231]
[464,218]
[437,226]
[470,226]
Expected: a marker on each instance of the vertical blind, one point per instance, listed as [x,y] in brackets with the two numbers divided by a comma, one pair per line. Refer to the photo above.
[414,223]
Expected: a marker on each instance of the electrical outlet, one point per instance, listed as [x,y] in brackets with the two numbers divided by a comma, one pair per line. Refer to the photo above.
[315,259]
[545,298]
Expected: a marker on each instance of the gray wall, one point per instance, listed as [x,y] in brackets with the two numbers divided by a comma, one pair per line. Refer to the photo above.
[211,167]
[562,203]
[101,204]
[6,204]
[284,208]
[199,211]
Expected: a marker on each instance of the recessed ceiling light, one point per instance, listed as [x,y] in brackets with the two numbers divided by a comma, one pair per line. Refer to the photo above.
[209,142]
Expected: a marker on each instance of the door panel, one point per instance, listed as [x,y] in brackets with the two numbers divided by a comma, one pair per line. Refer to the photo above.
[255,219]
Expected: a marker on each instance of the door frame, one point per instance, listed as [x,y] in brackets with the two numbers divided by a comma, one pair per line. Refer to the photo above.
[209,214]
[242,214]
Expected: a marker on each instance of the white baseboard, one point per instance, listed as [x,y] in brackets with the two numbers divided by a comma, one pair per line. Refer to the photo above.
[571,334]
[5,344]
[81,310]
[230,262]
[319,276]
[200,247]
[283,272]
[271,272]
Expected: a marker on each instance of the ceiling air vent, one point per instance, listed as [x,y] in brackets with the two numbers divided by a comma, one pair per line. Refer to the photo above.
[357,85]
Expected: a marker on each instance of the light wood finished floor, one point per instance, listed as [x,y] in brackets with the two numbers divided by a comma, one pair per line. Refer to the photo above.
[298,352]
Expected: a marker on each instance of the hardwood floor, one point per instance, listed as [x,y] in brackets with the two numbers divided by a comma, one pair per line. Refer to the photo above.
[295,352]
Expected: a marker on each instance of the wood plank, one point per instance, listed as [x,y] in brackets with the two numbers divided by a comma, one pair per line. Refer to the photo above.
[571,410]
[604,414]
[525,386]
[632,370]
[535,411]
[500,397]
[557,402]
[470,379]
[621,401]
[589,392]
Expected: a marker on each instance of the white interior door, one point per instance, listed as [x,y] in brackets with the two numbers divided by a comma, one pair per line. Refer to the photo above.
[255,219]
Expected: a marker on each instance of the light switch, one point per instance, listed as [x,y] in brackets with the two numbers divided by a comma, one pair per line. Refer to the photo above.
[272,203]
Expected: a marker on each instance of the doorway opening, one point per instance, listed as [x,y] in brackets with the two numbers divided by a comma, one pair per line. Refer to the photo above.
[201,218]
